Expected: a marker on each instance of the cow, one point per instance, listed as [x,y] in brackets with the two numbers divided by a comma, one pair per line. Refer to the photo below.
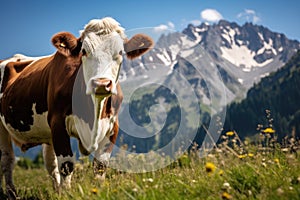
[74,92]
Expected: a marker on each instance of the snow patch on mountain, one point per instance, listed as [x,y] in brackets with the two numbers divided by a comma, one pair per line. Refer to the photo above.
[164,57]
[268,47]
[241,56]
[187,53]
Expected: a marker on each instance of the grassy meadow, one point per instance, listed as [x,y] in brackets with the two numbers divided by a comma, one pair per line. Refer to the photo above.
[233,170]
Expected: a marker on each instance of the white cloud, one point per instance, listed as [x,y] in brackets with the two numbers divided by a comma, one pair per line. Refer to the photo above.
[256,19]
[171,25]
[250,12]
[249,16]
[164,27]
[196,22]
[160,28]
[211,15]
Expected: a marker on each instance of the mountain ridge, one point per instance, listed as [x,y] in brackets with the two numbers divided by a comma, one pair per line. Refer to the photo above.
[242,54]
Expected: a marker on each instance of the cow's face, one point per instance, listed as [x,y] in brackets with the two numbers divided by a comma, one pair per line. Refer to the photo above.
[102,44]
[101,62]
[101,47]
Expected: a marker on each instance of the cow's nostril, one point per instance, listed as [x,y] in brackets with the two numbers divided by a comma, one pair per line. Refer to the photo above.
[102,86]
[109,84]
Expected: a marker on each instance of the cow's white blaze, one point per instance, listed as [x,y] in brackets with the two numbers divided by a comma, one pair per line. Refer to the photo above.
[103,42]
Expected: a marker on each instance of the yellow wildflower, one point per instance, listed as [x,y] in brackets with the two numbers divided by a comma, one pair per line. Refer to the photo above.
[276,160]
[250,154]
[225,195]
[94,190]
[242,156]
[230,133]
[269,130]
[210,167]
[221,172]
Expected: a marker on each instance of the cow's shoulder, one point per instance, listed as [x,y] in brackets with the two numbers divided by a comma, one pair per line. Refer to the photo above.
[62,73]
[14,68]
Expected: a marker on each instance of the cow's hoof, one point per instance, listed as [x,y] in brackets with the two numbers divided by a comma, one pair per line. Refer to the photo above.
[66,168]
[12,194]
[99,170]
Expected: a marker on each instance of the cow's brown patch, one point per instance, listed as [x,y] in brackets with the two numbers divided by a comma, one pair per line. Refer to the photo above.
[18,93]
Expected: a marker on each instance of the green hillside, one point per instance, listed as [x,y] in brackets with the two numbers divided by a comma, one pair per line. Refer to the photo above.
[278,94]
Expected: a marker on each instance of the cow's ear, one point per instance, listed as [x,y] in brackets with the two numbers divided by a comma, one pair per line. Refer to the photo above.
[66,43]
[137,45]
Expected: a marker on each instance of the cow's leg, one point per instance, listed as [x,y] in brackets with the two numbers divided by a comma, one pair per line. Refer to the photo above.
[63,151]
[7,161]
[66,168]
[51,165]
[101,159]
[102,154]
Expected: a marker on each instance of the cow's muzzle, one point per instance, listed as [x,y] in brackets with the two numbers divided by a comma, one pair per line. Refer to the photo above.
[102,86]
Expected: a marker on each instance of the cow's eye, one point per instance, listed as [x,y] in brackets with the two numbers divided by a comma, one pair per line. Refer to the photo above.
[83,52]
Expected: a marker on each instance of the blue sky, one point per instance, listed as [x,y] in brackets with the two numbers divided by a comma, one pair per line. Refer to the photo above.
[28,25]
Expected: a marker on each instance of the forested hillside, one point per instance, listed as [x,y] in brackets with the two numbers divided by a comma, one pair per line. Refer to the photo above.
[280,94]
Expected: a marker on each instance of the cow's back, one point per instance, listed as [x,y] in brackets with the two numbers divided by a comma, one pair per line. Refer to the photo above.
[23,100]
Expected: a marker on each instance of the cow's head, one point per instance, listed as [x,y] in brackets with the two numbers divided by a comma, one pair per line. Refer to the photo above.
[102,43]
[101,47]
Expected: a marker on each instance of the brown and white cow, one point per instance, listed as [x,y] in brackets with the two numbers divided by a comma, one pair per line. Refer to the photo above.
[74,92]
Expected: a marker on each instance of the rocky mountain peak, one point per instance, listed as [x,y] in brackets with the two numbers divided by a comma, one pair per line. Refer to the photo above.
[242,54]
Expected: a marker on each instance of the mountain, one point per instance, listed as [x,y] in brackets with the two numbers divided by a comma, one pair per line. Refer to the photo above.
[239,55]
[279,93]
[218,62]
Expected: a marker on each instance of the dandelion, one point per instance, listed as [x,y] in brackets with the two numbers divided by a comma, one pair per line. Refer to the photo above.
[94,190]
[250,154]
[269,130]
[242,156]
[226,195]
[276,160]
[230,133]
[221,172]
[210,167]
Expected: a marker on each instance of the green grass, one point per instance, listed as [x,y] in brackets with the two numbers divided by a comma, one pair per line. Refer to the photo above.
[233,170]
[255,175]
